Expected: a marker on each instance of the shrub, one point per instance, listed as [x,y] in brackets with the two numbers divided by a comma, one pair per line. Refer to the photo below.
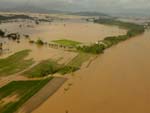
[2,33]
[39,42]
[94,48]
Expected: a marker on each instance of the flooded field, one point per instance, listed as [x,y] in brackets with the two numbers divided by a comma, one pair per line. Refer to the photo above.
[38,52]
[72,28]
[116,82]
[82,32]
[63,27]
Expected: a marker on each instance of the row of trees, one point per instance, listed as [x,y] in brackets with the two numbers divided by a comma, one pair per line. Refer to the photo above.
[94,48]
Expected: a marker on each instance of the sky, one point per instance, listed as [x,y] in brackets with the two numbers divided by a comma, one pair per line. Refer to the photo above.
[108,6]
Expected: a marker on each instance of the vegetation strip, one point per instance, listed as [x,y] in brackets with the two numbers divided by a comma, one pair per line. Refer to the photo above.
[23,89]
[75,63]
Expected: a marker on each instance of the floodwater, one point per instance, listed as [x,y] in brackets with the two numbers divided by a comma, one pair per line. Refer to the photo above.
[38,53]
[118,81]
[66,27]
[72,29]
[78,31]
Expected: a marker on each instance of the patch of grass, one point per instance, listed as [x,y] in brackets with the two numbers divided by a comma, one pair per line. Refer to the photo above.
[66,42]
[15,63]
[23,89]
[80,59]
[68,69]
[75,63]
[42,69]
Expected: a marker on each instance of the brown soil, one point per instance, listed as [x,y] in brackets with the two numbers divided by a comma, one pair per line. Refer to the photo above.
[12,98]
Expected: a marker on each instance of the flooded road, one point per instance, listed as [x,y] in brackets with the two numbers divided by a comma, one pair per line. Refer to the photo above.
[118,81]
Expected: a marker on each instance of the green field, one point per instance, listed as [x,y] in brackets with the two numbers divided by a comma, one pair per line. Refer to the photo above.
[15,63]
[79,59]
[75,63]
[23,89]
[66,42]
[42,69]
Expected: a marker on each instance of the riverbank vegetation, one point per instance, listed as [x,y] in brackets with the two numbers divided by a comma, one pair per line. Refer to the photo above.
[93,49]
[76,63]
[100,46]
[22,91]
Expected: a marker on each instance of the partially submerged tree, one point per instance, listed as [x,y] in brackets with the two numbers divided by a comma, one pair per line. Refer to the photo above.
[2,33]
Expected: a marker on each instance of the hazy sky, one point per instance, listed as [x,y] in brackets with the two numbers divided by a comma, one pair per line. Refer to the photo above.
[86,5]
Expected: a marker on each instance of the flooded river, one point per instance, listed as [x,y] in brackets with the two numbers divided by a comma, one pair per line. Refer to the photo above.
[118,81]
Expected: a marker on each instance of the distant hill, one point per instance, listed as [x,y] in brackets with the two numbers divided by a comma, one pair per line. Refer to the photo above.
[89,14]
[3,18]
[32,9]
[36,9]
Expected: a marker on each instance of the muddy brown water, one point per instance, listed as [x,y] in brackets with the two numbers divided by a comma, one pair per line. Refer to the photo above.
[118,81]
[81,31]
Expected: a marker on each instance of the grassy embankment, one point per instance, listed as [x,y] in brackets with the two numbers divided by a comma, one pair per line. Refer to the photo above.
[76,63]
[23,90]
[15,63]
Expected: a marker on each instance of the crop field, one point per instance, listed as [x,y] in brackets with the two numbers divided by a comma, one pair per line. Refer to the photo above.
[43,69]
[16,93]
[15,63]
